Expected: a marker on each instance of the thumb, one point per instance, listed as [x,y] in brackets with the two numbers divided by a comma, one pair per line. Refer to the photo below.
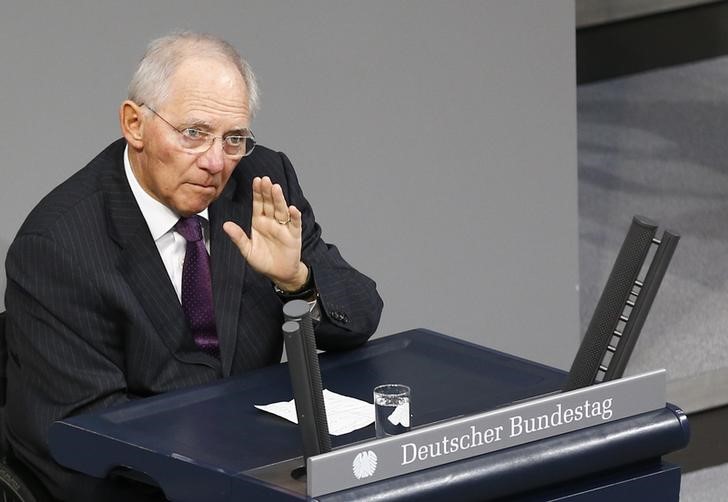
[237,235]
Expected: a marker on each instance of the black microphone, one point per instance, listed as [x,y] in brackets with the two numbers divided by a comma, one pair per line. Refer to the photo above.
[305,374]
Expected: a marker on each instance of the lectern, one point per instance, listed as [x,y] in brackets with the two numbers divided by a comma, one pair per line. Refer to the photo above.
[244,454]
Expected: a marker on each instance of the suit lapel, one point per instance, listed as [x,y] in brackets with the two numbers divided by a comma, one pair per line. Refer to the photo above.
[144,270]
[228,271]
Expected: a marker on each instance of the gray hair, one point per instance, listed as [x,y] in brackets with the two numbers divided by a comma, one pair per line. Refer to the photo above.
[150,83]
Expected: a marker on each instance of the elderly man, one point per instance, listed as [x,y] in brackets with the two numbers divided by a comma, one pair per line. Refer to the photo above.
[112,294]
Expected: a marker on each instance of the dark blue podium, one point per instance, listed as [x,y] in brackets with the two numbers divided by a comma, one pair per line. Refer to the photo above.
[203,444]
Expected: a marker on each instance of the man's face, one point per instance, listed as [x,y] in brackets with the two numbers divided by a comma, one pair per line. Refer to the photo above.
[209,95]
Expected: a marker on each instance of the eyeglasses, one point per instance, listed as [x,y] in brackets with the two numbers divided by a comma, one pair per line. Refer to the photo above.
[195,140]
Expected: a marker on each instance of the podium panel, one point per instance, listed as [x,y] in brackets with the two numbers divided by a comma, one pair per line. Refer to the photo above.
[161,436]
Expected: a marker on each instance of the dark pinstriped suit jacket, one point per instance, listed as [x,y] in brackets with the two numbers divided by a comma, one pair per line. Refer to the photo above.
[93,319]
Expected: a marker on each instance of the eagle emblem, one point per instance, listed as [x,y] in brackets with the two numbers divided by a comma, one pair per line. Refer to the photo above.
[364,465]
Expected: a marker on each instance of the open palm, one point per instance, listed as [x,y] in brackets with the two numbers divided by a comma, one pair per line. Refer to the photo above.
[274,245]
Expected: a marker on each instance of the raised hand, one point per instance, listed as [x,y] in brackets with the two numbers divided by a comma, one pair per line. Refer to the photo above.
[274,245]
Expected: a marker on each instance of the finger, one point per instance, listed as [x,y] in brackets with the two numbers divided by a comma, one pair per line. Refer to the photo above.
[237,235]
[257,197]
[280,207]
[296,217]
[266,190]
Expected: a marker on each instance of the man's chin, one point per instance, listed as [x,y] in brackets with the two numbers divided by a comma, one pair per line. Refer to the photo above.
[189,206]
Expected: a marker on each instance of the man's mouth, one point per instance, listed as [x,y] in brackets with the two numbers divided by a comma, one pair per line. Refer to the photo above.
[204,186]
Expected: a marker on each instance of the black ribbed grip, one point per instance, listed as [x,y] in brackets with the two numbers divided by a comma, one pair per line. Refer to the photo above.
[305,374]
[643,303]
[619,287]
[319,406]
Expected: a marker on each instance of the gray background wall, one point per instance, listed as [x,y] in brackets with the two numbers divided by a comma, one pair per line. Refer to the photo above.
[436,140]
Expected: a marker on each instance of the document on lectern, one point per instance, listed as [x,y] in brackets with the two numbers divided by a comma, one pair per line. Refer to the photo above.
[345,414]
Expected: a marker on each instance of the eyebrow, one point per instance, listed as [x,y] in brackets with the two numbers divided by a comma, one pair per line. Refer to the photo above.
[207,127]
[241,131]
[197,124]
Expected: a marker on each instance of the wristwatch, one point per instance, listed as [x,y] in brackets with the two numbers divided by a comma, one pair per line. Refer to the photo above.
[306,292]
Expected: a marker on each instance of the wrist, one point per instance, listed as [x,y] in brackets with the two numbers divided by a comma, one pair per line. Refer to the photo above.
[301,283]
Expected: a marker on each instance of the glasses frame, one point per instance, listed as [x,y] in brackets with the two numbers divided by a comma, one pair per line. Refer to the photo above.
[249,137]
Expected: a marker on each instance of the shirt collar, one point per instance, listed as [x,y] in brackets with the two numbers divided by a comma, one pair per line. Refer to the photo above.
[160,219]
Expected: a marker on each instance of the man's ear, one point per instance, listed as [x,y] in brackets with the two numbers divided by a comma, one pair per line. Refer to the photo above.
[131,118]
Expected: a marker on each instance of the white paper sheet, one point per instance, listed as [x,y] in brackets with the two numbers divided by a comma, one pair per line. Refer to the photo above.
[344,414]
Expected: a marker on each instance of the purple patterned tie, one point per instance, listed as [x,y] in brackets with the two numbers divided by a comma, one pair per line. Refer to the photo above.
[197,286]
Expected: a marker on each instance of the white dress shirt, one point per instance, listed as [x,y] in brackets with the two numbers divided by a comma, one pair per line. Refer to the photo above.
[161,220]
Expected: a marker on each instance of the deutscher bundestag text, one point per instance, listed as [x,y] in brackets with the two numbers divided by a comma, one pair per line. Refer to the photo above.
[514,426]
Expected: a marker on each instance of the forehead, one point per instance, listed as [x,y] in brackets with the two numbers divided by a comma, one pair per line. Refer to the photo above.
[208,89]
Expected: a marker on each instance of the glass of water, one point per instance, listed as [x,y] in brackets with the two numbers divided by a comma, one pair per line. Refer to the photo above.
[391,409]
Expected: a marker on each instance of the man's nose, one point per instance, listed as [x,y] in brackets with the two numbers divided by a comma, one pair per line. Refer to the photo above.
[213,159]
